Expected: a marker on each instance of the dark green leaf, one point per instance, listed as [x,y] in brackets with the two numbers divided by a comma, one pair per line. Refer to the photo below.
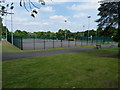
[33,15]
[34,11]
[11,7]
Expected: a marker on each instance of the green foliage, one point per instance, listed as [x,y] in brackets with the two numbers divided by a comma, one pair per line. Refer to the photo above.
[1,25]
[61,34]
[91,32]
[107,32]
[21,33]
[3,29]
[109,18]
[108,13]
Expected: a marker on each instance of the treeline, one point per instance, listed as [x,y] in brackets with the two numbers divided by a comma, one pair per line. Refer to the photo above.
[62,33]
[107,32]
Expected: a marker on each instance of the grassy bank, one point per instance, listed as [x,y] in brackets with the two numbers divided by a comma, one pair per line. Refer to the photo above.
[7,47]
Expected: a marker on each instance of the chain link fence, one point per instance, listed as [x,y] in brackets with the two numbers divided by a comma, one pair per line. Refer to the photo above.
[33,43]
[17,41]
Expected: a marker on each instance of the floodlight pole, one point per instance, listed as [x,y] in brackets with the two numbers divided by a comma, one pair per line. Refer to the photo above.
[11,24]
[83,30]
[65,28]
[6,23]
[88,26]
[6,26]
[12,27]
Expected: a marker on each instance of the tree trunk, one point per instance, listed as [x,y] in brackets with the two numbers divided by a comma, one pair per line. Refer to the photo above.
[118,41]
[119,29]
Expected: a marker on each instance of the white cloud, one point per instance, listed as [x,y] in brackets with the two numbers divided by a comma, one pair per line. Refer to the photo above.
[16,19]
[79,15]
[47,9]
[58,17]
[32,23]
[86,6]
[36,23]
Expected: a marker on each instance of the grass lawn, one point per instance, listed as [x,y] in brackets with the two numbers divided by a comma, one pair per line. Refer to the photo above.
[85,69]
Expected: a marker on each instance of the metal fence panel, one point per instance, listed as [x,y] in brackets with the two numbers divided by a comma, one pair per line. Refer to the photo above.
[51,42]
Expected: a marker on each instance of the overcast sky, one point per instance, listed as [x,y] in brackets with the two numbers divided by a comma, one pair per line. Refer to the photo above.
[51,16]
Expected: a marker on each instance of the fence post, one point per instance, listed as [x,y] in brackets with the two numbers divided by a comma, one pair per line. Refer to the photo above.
[75,42]
[44,42]
[53,42]
[61,42]
[86,40]
[68,43]
[21,43]
[80,38]
[34,42]
[91,40]
[96,40]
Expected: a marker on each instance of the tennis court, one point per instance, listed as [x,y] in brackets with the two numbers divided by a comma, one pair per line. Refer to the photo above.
[33,43]
[43,44]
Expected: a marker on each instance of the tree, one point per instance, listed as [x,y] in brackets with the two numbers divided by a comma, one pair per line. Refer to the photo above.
[92,33]
[3,29]
[109,13]
[21,33]
[1,25]
[27,4]
[99,32]
[60,34]
[4,9]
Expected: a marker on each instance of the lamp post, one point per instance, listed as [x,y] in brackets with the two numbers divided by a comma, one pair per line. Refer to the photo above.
[88,26]
[65,28]
[6,20]
[83,29]
[12,22]
[11,25]
[6,26]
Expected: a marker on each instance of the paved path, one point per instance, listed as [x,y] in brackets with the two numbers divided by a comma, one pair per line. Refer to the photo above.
[11,56]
